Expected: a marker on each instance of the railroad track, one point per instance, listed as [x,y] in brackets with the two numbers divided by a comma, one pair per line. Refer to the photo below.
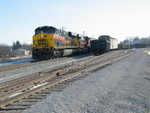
[53,69]
[21,93]
[29,77]
[19,65]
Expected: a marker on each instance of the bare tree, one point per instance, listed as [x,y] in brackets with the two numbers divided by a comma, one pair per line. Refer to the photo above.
[4,51]
[138,42]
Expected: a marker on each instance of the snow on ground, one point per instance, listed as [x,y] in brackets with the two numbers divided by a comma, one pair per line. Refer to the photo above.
[16,62]
[19,59]
[122,87]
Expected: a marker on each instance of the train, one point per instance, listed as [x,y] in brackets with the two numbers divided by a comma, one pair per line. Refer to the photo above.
[103,44]
[50,42]
[124,46]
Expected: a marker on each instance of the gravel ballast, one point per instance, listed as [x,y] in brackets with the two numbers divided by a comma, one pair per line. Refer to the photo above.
[123,87]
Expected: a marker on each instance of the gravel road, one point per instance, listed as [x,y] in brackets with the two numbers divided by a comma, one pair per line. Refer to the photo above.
[123,87]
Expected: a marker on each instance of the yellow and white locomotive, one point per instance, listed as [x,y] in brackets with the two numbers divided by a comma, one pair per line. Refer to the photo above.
[49,42]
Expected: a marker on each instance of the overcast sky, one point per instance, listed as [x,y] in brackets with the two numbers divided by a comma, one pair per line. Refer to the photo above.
[117,18]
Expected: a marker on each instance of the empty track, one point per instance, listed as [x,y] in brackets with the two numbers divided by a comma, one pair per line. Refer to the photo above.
[19,65]
[22,93]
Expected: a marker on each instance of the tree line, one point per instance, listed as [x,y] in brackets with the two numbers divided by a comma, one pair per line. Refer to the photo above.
[134,40]
[6,50]
[137,42]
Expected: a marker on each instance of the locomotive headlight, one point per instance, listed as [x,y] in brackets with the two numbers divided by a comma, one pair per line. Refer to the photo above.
[34,46]
[42,35]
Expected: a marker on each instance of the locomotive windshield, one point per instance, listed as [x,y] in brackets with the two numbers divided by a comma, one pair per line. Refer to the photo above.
[45,29]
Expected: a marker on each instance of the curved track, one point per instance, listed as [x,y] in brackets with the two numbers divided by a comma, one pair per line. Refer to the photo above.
[21,93]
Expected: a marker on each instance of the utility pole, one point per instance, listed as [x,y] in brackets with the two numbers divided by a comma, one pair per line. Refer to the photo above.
[93,35]
[83,33]
[63,28]
[10,51]
[63,31]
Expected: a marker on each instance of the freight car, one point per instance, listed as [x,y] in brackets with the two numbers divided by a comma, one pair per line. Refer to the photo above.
[103,44]
[50,42]
[124,46]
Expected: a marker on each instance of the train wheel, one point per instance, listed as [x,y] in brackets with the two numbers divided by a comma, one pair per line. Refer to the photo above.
[102,52]
[59,53]
[55,54]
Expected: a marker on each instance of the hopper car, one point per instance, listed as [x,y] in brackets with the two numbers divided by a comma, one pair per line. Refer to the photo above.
[103,44]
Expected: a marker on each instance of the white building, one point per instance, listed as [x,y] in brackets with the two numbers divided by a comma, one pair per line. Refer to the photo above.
[21,52]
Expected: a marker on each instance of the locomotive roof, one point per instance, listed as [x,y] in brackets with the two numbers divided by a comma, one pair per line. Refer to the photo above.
[46,27]
[105,37]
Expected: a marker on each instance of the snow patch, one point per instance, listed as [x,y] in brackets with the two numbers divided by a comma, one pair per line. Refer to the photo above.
[17,61]
[39,85]
[30,89]
[15,94]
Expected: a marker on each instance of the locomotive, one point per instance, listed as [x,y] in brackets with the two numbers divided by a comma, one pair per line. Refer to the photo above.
[50,42]
[103,44]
